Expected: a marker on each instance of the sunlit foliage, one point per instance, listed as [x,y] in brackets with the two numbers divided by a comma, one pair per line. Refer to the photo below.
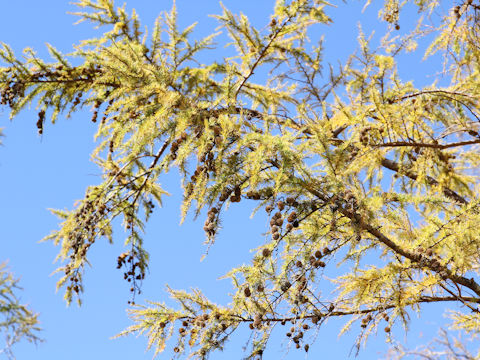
[350,164]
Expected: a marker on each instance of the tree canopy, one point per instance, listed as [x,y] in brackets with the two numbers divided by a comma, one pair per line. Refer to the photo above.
[350,163]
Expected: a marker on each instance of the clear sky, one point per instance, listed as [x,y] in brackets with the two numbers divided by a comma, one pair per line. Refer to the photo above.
[53,170]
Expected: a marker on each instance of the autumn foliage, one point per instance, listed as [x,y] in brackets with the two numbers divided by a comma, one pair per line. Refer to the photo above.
[348,164]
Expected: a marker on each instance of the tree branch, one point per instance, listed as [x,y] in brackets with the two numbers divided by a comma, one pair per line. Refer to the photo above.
[392,165]
[432,264]
[426,145]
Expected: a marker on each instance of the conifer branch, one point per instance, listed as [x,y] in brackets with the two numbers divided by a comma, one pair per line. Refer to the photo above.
[426,145]
[392,165]
[310,151]
[432,264]
[150,170]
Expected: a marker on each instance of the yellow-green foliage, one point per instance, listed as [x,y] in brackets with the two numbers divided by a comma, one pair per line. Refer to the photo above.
[354,166]
[17,321]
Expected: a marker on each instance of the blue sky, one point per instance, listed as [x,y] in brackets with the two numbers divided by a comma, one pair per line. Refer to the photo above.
[53,171]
